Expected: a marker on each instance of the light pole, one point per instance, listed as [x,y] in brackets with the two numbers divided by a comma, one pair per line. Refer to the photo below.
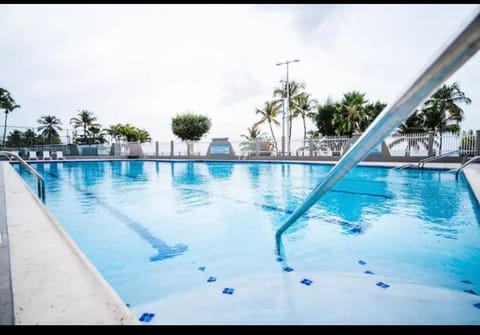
[286,106]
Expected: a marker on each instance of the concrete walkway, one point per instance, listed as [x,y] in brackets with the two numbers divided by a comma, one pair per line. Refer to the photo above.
[52,281]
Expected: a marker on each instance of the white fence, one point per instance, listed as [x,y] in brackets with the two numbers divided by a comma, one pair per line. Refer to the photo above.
[399,145]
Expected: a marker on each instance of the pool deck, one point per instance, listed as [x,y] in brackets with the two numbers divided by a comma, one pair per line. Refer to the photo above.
[52,282]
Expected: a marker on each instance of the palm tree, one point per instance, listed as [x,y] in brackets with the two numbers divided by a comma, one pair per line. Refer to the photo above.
[351,113]
[8,104]
[269,113]
[303,105]
[253,135]
[114,131]
[50,127]
[324,117]
[372,110]
[30,137]
[84,120]
[441,113]
[413,124]
[15,139]
[294,89]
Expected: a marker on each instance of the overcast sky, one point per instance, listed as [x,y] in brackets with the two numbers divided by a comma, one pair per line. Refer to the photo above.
[143,64]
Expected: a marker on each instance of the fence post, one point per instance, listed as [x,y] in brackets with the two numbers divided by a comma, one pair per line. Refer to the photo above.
[477,143]
[172,152]
[188,148]
[310,147]
[156,148]
[256,147]
[430,143]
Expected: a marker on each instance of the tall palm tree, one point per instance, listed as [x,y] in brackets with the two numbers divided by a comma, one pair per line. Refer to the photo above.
[443,108]
[442,113]
[84,120]
[351,113]
[412,125]
[294,89]
[7,103]
[50,127]
[269,114]
[303,105]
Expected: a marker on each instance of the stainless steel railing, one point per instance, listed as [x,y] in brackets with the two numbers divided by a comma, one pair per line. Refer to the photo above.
[40,180]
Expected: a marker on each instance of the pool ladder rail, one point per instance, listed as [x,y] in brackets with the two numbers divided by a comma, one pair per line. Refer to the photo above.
[467,163]
[450,59]
[28,167]
[422,162]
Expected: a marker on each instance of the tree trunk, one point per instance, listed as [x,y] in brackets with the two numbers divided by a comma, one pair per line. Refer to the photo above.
[304,132]
[5,128]
[273,135]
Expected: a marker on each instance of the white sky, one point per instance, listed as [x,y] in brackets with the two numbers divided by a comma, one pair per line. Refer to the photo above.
[143,64]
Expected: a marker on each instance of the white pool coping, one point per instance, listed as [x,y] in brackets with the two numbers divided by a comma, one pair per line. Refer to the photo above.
[53,282]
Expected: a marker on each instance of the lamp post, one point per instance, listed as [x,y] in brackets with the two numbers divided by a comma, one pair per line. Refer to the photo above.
[286,106]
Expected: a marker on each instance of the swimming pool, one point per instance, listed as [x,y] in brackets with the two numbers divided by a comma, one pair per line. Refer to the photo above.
[164,232]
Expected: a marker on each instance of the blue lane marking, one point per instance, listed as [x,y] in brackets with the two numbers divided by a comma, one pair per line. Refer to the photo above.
[163,249]
[467,281]
[470,291]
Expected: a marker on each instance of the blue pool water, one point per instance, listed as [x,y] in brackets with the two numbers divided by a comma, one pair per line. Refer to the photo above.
[154,229]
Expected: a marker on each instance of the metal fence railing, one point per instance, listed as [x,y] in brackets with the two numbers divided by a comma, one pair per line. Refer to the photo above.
[398,145]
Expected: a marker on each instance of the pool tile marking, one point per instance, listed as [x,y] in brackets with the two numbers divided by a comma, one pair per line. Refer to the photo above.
[228,290]
[382,285]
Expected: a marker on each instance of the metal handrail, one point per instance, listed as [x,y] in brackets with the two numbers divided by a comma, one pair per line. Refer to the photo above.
[470,161]
[40,180]
[402,166]
[422,162]
[457,52]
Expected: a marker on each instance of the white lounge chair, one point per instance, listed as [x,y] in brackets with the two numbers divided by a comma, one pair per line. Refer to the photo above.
[32,155]
[59,155]
[46,155]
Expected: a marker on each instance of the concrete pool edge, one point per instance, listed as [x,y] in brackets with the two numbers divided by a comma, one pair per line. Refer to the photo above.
[6,294]
[53,282]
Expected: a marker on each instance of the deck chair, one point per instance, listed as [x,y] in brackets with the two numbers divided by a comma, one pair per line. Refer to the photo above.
[46,155]
[59,155]
[32,155]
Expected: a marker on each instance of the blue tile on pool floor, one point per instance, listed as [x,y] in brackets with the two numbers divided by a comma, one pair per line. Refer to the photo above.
[146,317]
[202,268]
[362,262]
[477,305]
[279,259]
[228,290]
[288,269]
[211,279]
[307,282]
[368,272]
[382,285]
